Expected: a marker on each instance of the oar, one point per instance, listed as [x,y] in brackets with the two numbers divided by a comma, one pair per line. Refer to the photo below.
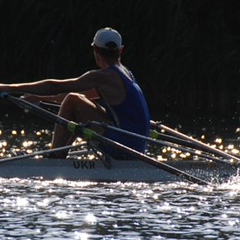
[91,135]
[163,143]
[42,153]
[41,112]
[157,135]
[149,160]
[196,142]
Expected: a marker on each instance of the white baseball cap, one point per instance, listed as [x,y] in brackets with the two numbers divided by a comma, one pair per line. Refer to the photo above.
[107,35]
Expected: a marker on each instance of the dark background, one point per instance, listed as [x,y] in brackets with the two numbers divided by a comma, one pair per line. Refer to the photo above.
[184,53]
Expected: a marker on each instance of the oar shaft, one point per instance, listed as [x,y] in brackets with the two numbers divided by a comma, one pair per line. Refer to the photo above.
[199,143]
[184,142]
[38,153]
[71,126]
[150,160]
[37,110]
[138,136]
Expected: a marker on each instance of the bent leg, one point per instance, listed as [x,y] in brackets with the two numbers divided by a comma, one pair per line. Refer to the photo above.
[76,107]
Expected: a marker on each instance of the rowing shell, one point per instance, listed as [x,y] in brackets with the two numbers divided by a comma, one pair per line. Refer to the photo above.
[117,170]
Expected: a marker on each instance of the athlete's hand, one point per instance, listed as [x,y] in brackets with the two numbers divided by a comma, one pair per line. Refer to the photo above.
[4,87]
[31,97]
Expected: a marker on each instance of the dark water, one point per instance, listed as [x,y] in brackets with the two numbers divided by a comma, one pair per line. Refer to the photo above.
[38,209]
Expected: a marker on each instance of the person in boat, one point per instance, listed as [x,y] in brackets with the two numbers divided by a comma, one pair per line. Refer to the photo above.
[110,95]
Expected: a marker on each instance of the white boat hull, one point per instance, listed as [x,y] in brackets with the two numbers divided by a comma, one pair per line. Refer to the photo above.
[121,170]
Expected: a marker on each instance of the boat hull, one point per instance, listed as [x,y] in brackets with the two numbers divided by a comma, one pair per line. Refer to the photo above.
[120,170]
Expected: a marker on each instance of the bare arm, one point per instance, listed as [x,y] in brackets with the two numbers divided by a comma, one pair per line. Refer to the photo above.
[50,98]
[100,80]
[85,82]
[90,94]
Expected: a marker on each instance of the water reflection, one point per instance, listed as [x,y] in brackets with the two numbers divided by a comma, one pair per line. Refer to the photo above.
[38,209]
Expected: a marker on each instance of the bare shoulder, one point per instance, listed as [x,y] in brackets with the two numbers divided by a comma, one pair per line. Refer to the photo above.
[112,86]
[108,76]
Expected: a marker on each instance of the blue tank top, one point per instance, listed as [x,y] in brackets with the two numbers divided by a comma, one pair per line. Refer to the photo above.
[133,116]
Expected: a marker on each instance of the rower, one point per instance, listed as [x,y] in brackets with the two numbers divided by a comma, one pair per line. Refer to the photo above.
[113,83]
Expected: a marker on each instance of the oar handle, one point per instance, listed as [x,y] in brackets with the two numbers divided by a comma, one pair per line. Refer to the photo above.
[71,126]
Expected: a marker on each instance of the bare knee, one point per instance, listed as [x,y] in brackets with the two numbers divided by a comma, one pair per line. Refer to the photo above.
[77,107]
[73,98]
[68,106]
